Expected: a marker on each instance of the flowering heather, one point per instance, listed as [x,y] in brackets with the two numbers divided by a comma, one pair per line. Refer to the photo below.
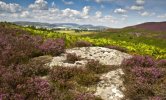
[19,73]
[18,48]
[15,49]
[36,40]
[144,78]
[38,88]
[53,47]
[141,61]
[14,85]
[146,75]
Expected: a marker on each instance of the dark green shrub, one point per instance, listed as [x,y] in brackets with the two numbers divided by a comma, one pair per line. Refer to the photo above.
[37,66]
[83,44]
[87,78]
[62,73]
[86,96]
[72,57]
[96,67]
[117,48]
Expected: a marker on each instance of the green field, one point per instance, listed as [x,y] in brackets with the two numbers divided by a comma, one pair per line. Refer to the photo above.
[125,36]
[146,37]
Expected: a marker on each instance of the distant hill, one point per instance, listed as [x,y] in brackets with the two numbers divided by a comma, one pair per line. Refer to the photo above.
[146,30]
[61,25]
[151,26]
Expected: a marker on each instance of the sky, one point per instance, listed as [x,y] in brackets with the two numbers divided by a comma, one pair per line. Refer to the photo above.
[111,13]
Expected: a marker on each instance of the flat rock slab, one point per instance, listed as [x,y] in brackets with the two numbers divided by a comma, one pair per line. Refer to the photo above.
[105,56]
[111,85]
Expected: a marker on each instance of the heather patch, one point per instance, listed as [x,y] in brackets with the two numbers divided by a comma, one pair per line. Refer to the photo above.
[144,78]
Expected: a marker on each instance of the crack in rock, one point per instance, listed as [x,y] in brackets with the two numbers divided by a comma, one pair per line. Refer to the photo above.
[110,86]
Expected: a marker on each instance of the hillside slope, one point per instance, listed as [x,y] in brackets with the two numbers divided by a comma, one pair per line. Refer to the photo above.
[151,26]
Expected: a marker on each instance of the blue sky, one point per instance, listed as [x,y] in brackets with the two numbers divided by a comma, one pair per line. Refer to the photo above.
[112,13]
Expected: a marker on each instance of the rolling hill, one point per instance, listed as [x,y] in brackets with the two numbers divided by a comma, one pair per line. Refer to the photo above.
[61,25]
[151,26]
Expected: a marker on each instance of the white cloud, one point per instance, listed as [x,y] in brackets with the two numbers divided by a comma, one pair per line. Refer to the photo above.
[145,13]
[53,10]
[70,12]
[39,5]
[40,12]
[75,16]
[2,15]
[109,18]
[140,2]
[65,15]
[85,11]
[162,16]
[19,15]
[125,16]
[68,2]
[120,11]
[98,14]
[100,1]
[15,15]
[25,14]
[10,8]
[137,8]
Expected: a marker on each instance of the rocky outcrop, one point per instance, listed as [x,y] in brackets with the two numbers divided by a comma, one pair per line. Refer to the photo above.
[111,85]
[105,56]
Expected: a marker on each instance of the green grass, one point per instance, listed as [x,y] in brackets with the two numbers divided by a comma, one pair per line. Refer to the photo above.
[161,43]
